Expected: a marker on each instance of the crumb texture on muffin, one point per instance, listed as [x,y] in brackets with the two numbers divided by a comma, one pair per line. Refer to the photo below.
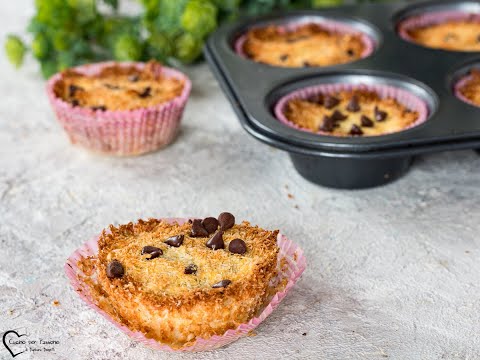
[303,46]
[470,89]
[174,286]
[454,35]
[119,87]
[349,113]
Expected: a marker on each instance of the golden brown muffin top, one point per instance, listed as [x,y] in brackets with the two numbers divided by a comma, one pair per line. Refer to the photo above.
[118,88]
[172,261]
[350,113]
[304,46]
[454,35]
[471,88]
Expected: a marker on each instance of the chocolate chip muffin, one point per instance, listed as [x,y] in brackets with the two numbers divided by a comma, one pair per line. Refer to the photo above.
[118,88]
[349,113]
[178,282]
[445,30]
[304,45]
[468,88]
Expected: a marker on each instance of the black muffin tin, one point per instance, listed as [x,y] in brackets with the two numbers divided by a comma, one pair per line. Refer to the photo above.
[353,162]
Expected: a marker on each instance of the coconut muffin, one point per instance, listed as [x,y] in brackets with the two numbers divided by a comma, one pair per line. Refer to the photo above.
[176,283]
[349,113]
[303,46]
[118,88]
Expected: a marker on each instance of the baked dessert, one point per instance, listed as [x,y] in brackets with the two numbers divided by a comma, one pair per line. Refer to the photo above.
[179,282]
[303,46]
[349,113]
[454,33]
[118,88]
[468,88]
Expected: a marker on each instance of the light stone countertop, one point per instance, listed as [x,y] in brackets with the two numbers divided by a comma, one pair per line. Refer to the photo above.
[393,272]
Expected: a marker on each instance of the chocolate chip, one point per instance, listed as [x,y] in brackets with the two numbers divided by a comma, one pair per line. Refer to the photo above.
[191,269]
[175,241]
[216,241]
[379,114]
[478,38]
[72,90]
[146,92]
[338,116]
[330,101]
[100,107]
[221,284]
[197,229]
[133,78]
[283,57]
[366,121]
[350,52]
[210,224]
[353,105]
[111,87]
[115,269]
[328,124]
[75,102]
[237,246]
[226,220]
[317,99]
[153,251]
[356,130]
[306,64]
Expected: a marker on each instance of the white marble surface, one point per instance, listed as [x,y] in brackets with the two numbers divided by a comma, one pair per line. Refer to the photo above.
[393,272]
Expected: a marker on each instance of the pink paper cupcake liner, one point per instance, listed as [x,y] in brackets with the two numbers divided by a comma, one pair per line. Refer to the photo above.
[432,18]
[290,256]
[125,132]
[404,97]
[459,85]
[329,25]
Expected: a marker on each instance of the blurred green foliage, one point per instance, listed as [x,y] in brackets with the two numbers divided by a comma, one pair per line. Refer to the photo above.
[65,33]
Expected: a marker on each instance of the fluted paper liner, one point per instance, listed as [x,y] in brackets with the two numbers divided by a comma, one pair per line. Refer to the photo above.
[404,97]
[458,87]
[432,18]
[330,25]
[121,132]
[291,264]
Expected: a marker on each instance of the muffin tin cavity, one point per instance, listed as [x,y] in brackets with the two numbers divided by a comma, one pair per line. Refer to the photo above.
[465,83]
[449,26]
[296,37]
[374,122]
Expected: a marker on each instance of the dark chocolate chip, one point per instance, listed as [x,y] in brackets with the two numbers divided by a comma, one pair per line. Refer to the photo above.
[221,284]
[153,251]
[191,269]
[353,105]
[237,246]
[330,101]
[366,121]
[283,57]
[226,220]
[317,99]
[115,269]
[328,124]
[75,102]
[100,107]
[133,78]
[111,87]
[146,92]
[216,241]
[306,64]
[356,130]
[197,229]
[72,90]
[338,116]
[210,224]
[350,52]
[175,241]
[379,114]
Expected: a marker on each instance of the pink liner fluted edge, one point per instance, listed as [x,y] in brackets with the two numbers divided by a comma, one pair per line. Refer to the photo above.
[288,250]
[457,87]
[432,18]
[131,132]
[404,97]
[330,25]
